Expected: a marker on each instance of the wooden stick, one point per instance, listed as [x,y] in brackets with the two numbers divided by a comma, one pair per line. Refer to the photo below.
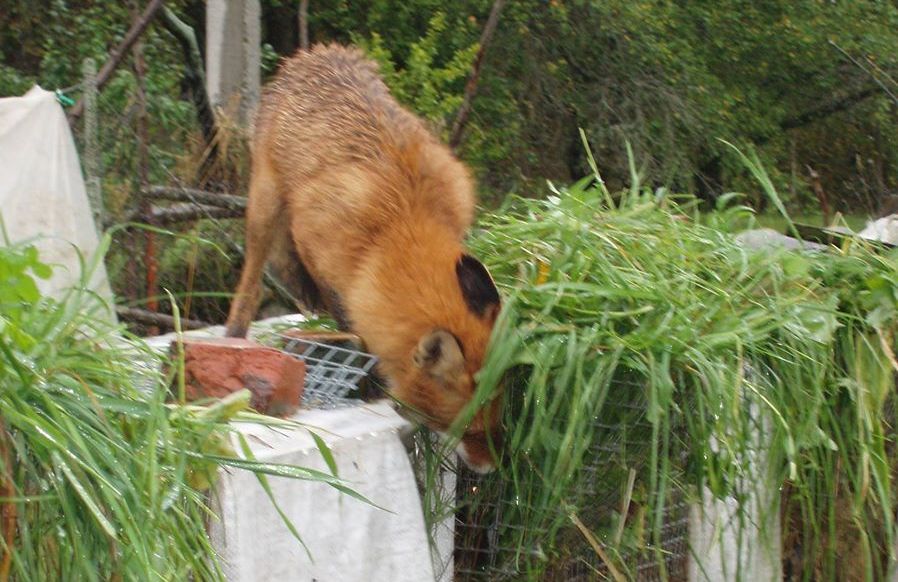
[817,185]
[145,317]
[119,52]
[304,24]
[217,199]
[143,171]
[597,548]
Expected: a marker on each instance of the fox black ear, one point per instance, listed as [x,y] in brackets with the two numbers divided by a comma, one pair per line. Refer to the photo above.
[477,287]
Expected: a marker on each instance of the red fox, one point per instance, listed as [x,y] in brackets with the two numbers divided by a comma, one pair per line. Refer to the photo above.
[374,210]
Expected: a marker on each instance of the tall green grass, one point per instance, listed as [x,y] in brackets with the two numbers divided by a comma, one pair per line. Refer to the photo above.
[100,480]
[641,348]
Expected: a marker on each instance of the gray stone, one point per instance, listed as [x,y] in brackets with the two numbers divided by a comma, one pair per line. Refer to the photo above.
[767,238]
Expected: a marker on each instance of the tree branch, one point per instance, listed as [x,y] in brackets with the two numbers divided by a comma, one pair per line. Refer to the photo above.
[188,212]
[461,119]
[119,52]
[827,109]
[219,200]
[195,75]
[184,212]
[816,114]
[145,317]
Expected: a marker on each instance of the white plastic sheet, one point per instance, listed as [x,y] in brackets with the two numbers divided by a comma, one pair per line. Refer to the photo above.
[42,194]
[349,540]
[883,229]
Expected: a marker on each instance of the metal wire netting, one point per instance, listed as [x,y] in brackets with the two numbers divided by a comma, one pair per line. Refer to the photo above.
[125,152]
[333,373]
[495,538]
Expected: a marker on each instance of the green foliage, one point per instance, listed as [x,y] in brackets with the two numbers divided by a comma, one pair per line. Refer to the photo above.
[199,266]
[670,78]
[427,86]
[12,82]
[269,60]
[46,43]
[641,338]
[18,268]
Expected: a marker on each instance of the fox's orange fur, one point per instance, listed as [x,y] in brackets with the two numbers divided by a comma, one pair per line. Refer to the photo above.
[377,209]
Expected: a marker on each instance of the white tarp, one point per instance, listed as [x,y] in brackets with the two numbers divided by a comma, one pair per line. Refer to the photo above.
[349,540]
[42,194]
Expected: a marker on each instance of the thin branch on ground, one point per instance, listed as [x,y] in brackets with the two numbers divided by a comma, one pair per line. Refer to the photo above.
[146,317]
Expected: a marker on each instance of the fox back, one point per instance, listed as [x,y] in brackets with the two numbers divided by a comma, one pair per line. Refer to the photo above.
[373,210]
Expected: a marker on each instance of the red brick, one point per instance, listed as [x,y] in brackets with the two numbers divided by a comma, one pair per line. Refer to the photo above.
[215,367]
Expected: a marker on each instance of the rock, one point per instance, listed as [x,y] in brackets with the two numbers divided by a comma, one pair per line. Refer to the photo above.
[216,367]
[767,238]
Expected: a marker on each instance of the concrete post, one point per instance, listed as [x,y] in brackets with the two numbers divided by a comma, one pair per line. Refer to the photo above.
[233,56]
[743,544]
[443,548]
[729,541]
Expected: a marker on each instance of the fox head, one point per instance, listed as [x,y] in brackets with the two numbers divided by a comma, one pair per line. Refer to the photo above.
[445,362]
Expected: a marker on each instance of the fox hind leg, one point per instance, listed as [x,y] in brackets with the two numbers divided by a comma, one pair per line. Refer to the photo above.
[264,210]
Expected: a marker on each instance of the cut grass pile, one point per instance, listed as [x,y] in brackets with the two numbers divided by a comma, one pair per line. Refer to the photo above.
[642,348]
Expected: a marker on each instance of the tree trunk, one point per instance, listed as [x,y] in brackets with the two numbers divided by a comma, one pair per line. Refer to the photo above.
[709,179]
[304,24]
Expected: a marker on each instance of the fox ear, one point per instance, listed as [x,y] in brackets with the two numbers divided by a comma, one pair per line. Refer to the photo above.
[439,354]
[477,287]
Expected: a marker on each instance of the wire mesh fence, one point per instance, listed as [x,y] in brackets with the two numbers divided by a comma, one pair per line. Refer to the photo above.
[194,247]
[604,530]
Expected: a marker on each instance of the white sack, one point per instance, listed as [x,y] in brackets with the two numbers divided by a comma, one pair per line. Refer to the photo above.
[883,229]
[42,194]
[349,540]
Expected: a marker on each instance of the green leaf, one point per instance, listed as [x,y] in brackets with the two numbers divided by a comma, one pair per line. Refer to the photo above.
[326,453]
